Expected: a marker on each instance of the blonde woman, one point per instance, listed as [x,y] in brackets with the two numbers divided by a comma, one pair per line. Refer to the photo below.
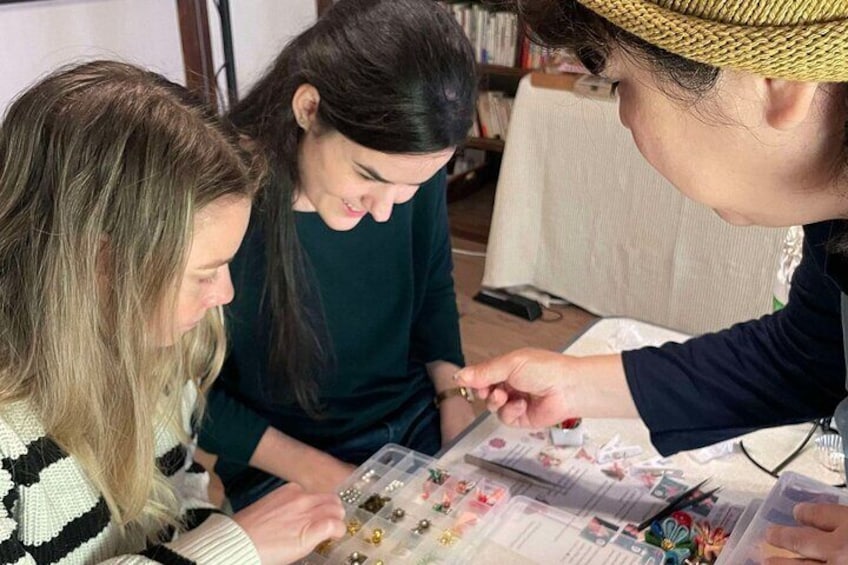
[121,204]
[743,106]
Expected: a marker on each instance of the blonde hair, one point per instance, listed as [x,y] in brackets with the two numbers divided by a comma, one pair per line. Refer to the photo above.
[103,167]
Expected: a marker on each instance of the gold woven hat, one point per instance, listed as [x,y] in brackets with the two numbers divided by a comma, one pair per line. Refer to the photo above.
[792,39]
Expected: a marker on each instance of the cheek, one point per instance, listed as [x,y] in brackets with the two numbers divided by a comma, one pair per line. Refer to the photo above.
[623,109]
[192,301]
[640,112]
[671,159]
[346,186]
[215,294]
[636,122]
[646,142]
[405,194]
[656,143]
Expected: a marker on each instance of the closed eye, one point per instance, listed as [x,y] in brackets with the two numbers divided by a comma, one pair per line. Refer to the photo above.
[209,279]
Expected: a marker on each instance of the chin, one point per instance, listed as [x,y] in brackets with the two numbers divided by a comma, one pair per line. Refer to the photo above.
[339,222]
[734,219]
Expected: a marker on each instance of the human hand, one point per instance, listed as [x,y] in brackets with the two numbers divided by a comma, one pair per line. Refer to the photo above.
[287,523]
[215,491]
[535,388]
[822,536]
[455,414]
[526,387]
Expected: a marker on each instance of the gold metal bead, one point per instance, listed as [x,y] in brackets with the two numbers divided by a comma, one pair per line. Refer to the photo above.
[353,526]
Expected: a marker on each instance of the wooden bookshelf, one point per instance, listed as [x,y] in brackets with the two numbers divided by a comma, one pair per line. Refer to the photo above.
[500,70]
[497,78]
[485,143]
[561,81]
[492,77]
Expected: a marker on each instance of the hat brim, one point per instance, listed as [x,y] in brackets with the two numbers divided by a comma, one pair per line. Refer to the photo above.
[816,52]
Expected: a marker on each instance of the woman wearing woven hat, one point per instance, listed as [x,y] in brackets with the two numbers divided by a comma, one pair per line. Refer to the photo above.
[742,105]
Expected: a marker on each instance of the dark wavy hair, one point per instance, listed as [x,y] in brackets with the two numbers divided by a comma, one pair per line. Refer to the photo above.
[566,23]
[396,76]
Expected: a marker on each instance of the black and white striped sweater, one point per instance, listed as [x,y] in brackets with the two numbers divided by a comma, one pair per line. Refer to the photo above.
[52,513]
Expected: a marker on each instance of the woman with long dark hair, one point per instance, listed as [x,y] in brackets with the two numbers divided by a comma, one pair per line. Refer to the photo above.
[345,330]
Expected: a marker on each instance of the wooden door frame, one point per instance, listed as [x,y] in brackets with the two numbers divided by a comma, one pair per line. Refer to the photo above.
[197,49]
[323,6]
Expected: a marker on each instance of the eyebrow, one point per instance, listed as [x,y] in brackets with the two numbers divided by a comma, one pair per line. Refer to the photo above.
[215,264]
[377,176]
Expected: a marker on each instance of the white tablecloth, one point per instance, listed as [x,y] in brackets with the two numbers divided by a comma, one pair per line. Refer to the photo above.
[580,214]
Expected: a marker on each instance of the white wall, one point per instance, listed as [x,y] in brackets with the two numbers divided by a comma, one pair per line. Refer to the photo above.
[37,37]
[260,30]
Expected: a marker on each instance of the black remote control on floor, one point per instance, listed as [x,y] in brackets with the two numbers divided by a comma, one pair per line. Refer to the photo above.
[510,303]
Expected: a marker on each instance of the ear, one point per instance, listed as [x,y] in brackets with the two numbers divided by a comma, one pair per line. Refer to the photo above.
[305,105]
[788,102]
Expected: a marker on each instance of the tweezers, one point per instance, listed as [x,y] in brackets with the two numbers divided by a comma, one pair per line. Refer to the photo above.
[509,471]
[679,502]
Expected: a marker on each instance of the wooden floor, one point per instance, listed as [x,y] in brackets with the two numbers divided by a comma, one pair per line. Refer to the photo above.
[487,332]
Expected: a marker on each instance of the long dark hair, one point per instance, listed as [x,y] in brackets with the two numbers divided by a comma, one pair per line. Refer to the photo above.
[396,76]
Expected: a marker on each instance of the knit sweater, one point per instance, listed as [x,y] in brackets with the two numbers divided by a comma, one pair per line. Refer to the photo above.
[52,512]
[387,303]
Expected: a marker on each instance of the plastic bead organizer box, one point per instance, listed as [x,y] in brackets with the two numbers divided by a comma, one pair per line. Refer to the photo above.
[402,508]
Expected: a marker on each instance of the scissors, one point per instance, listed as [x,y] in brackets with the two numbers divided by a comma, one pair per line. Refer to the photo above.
[683,500]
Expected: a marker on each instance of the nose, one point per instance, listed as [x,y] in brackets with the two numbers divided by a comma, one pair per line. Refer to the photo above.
[223,292]
[380,202]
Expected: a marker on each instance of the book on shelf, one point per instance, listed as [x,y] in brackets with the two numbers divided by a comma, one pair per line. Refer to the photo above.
[493,34]
[493,114]
[498,40]
[475,128]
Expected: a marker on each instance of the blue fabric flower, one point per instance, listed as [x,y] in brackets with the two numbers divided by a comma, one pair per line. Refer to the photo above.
[673,538]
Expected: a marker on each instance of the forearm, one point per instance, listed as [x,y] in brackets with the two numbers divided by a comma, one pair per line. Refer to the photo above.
[455,412]
[288,458]
[598,387]
[441,373]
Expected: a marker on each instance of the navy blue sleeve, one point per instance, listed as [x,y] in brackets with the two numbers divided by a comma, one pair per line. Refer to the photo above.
[231,429]
[784,368]
[435,330]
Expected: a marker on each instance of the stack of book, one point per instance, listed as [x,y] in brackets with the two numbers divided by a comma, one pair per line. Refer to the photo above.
[534,56]
[493,34]
[493,113]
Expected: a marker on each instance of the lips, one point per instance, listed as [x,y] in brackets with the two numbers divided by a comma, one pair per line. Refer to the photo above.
[352,210]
